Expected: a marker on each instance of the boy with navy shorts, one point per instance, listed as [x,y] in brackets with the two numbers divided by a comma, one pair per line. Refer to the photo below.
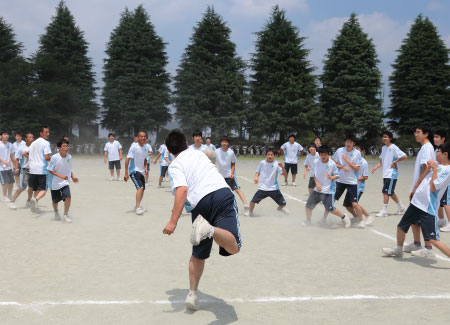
[266,177]
[390,156]
[16,145]
[214,215]
[226,162]
[113,153]
[363,175]
[164,166]
[310,159]
[291,151]
[60,168]
[136,168]
[424,206]
[440,137]
[6,167]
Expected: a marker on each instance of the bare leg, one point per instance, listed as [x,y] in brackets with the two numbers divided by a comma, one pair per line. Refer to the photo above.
[386,198]
[55,207]
[139,196]
[338,213]
[5,190]
[39,194]
[447,210]
[308,214]
[400,237]
[416,233]
[226,240]
[252,206]
[294,177]
[160,180]
[441,246]
[67,205]
[10,188]
[357,210]
[395,198]
[351,210]
[111,171]
[441,212]
[118,173]
[16,195]
[363,210]
[30,193]
[196,267]
[241,196]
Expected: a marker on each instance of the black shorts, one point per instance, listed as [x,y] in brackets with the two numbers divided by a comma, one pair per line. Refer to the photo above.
[24,175]
[6,177]
[232,183]
[292,167]
[445,198]
[274,195]
[316,197]
[138,180]
[351,195]
[311,183]
[115,163]
[61,195]
[359,195]
[426,221]
[220,210]
[164,171]
[38,182]
[389,186]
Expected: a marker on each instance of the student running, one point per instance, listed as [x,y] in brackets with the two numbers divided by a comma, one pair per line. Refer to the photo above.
[291,151]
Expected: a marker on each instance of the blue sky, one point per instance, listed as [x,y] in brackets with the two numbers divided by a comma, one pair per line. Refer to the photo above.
[387,22]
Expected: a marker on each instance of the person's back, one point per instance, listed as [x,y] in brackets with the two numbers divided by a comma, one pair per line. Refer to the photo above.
[37,162]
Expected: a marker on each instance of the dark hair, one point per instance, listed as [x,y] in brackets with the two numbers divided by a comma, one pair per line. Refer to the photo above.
[291,136]
[176,142]
[359,145]
[3,132]
[323,149]
[111,134]
[445,147]
[318,138]
[389,134]
[312,145]
[19,133]
[441,133]
[225,138]
[26,133]
[208,138]
[197,133]
[426,129]
[270,150]
[350,137]
[42,127]
[61,142]
[145,132]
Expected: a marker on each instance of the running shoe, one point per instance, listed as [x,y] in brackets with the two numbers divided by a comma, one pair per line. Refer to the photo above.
[6,199]
[27,205]
[67,219]
[139,211]
[34,205]
[285,183]
[401,210]
[382,213]
[442,223]
[446,228]
[369,221]
[347,222]
[284,210]
[12,206]
[424,252]
[57,216]
[359,224]
[394,252]
[411,248]
[201,229]
[111,179]
[293,184]
[191,301]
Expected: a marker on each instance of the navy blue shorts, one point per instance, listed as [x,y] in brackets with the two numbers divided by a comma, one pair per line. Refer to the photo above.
[164,171]
[38,182]
[138,180]
[445,198]
[389,186]
[351,195]
[426,221]
[326,199]
[311,183]
[6,177]
[114,163]
[274,195]
[220,210]
[359,195]
[232,183]
[61,195]
[292,167]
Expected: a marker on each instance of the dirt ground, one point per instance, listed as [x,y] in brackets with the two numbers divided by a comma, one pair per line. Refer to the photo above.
[111,266]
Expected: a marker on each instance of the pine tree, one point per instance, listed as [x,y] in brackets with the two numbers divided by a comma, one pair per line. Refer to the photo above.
[210,82]
[420,83]
[283,89]
[136,95]
[64,77]
[350,96]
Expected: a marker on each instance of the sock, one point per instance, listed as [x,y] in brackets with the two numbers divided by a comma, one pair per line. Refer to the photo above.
[399,248]
[417,243]
[193,292]
[400,204]
[429,247]
[384,208]
[211,232]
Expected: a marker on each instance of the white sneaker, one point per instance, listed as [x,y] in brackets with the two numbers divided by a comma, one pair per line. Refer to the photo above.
[411,248]
[27,205]
[285,184]
[284,210]
[67,219]
[323,223]
[118,179]
[293,184]
[246,210]
[307,223]
[6,199]
[57,216]
[191,301]
[442,223]
[401,210]
[394,252]
[111,179]
[369,221]
[446,228]
[139,211]
[12,206]
[201,229]
[34,205]
[424,252]
[382,213]
[347,222]
[359,224]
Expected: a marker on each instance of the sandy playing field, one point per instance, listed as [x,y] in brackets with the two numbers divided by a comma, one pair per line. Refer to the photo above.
[111,266]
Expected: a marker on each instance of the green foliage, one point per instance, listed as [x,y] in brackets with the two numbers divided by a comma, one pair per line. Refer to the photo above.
[351,84]
[420,83]
[136,94]
[210,83]
[283,89]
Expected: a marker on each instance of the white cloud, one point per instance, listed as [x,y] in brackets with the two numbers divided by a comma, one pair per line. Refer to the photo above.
[434,5]
[263,7]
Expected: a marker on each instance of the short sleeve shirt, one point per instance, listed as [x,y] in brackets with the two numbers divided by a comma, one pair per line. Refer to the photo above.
[268,174]
[309,161]
[320,172]
[425,153]
[347,177]
[138,156]
[162,150]
[113,150]
[291,152]
[36,158]
[224,160]
[202,147]
[210,146]
[5,154]
[23,161]
[363,171]
[16,145]
[61,166]
[388,155]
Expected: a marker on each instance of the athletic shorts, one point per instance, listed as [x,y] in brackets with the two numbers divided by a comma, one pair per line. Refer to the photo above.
[427,222]
[389,186]
[61,195]
[6,177]
[292,167]
[351,195]
[38,182]
[311,183]
[359,195]
[232,183]
[164,171]
[115,163]
[445,200]
[274,195]
[220,210]
[326,199]
[138,180]
[24,176]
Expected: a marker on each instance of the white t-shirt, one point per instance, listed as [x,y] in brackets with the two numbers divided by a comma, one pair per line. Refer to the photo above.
[309,161]
[350,177]
[138,157]
[320,171]
[388,155]
[224,160]
[425,153]
[169,156]
[37,151]
[291,152]
[113,150]
[16,145]
[193,169]
[202,147]
[363,171]
[61,166]
[150,150]
[162,149]
[5,154]
[210,146]
[268,173]
[23,161]
[426,200]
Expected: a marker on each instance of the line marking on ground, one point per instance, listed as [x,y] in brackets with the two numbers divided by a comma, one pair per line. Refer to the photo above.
[371,230]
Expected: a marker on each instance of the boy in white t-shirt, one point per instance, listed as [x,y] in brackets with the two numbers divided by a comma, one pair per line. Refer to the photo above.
[310,159]
[440,137]
[325,175]
[113,153]
[149,161]
[266,177]
[162,153]
[6,167]
[390,156]
[60,167]
[209,145]
[16,145]
[363,175]
[291,151]
[197,137]
[214,215]
[226,162]
[424,206]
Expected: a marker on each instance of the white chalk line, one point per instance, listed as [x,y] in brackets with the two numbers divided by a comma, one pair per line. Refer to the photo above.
[443,258]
